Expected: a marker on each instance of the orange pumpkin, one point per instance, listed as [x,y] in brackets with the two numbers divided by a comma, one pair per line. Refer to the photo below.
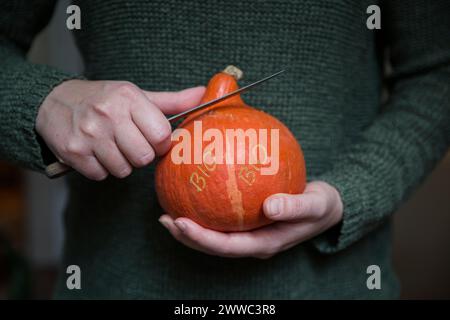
[222,193]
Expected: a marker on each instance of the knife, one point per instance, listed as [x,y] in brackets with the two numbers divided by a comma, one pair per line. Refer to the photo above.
[58,169]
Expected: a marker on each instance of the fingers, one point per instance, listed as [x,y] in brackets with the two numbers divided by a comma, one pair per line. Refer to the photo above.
[142,134]
[101,127]
[260,243]
[285,207]
[89,167]
[153,125]
[78,155]
[306,215]
[319,200]
[150,119]
[109,155]
[175,102]
[133,145]
[176,232]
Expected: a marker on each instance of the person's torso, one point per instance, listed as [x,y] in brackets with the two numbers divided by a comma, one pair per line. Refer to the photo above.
[328,94]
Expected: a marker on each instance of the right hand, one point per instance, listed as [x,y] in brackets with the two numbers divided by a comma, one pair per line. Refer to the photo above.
[109,127]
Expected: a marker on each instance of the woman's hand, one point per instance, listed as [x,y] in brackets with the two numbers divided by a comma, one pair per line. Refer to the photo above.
[298,218]
[109,127]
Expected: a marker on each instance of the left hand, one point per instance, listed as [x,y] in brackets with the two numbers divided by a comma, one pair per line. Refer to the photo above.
[298,218]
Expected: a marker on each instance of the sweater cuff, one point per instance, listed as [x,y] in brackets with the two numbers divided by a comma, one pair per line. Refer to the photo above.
[37,82]
[358,216]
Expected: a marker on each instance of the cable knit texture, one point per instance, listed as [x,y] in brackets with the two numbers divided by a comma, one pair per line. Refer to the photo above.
[375,154]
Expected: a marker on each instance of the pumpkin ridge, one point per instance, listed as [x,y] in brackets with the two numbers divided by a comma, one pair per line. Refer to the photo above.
[235,196]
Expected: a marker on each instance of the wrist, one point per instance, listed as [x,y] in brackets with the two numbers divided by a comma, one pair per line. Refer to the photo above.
[60,95]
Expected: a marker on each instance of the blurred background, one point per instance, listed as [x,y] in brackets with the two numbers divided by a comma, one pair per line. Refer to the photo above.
[31,230]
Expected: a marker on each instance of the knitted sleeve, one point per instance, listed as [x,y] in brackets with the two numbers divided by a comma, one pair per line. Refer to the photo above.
[410,135]
[23,85]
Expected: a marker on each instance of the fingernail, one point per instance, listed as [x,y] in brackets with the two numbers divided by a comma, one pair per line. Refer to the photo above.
[181,225]
[274,207]
[147,158]
[164,223]
[125,172]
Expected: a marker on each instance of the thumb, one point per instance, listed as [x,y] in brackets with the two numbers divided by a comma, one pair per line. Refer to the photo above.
[286,207]
[175,102]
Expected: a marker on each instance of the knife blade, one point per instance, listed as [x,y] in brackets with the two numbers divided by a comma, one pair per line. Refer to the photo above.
[222,98]
[58,169]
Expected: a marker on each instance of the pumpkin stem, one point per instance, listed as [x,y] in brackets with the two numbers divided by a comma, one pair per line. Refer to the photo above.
[233,71]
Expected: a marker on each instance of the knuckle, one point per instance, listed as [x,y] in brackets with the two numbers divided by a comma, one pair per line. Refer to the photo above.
[127,90]
[102,108]
[163,132]
[321,209]
[300,205]
[89,128]
[145,159]
[288,207]
[318,207]
[123,172]
[74,148]
[91,169]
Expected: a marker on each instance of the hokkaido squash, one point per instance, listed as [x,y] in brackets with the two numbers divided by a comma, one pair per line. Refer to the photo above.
[225,189]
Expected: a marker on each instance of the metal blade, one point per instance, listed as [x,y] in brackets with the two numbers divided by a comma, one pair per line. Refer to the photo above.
[229,95]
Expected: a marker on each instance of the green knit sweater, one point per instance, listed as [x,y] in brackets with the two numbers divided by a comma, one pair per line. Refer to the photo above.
[374,153]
